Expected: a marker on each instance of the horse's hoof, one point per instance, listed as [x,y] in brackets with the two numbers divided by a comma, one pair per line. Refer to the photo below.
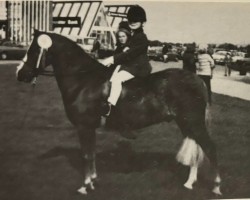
[188,186]
[217,191]
[82,190]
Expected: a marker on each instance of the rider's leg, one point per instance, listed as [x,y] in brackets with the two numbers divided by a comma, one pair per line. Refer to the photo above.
[116,86]
[115,72]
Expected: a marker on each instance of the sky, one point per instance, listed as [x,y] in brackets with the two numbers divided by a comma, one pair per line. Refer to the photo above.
[200,22]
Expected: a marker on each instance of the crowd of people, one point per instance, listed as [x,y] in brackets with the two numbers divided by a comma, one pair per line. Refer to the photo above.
[200,63]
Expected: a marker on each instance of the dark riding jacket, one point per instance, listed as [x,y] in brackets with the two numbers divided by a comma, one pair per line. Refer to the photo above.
[135,60]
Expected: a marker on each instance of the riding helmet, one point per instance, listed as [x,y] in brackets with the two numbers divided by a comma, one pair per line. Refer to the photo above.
[136,14]
[124,27]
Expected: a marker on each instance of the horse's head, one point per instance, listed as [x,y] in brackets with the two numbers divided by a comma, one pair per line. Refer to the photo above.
[35,59]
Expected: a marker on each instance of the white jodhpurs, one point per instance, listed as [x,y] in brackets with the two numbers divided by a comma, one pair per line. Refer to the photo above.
[116,84]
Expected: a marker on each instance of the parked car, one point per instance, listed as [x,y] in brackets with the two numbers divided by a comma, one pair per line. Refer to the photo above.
[155,53]
[219,57]
[173,55]
[11,50]
[237,56]
[242,65]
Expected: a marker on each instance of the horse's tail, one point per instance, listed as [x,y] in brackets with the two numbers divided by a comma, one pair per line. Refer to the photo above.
[190,153]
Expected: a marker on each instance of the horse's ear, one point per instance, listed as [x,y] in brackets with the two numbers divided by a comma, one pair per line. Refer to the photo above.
[35,32]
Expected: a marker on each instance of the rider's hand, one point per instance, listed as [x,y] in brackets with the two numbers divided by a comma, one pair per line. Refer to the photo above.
[108,61]
[125,49]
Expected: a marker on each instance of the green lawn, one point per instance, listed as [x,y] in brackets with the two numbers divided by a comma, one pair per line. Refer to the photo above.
[40,160]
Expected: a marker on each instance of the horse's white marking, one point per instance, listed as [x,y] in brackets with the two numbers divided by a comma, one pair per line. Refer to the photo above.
[20,66]
[87,180]
[94,175]
[33,82]
[44,41]
[192,177]
[216,189]
[217,179]
[82,190]
[25,58]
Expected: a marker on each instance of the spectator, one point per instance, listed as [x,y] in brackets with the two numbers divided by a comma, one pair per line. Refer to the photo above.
[210,52]
[205,66]
[189,59]
[96,49]
[164,52]
[227,60]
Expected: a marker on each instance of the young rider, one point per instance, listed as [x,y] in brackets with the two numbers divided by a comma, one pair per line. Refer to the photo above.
[134,62]
[122,37]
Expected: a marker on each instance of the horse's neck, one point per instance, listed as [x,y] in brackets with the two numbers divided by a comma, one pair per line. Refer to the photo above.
[71,59]
[76,71]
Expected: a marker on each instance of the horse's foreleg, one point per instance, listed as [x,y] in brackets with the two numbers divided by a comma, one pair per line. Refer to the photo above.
[87,140]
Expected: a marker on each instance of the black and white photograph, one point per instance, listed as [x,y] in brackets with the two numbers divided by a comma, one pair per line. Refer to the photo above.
[124,100]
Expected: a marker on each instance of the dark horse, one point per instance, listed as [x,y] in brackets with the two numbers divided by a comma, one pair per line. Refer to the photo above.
[83,83]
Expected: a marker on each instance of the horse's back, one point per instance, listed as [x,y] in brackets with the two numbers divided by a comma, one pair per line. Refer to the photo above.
[145,101]
[170,83]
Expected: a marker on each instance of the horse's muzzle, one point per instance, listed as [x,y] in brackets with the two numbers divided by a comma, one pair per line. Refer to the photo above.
[25,76]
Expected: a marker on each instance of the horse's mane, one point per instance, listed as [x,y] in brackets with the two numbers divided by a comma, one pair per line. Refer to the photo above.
[67,44]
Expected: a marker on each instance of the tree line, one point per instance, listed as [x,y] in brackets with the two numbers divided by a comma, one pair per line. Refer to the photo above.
[225,46]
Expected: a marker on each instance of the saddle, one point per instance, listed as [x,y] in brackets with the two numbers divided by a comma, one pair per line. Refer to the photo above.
[140,89]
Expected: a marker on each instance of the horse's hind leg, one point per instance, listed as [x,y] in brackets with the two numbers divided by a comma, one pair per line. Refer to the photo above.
[209,148]
[87,140]
[196,142]
[190,154]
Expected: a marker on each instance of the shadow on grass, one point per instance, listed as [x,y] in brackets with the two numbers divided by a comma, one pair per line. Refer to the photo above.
[122,159]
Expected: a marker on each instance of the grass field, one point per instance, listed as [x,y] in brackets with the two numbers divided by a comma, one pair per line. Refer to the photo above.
[40,160]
